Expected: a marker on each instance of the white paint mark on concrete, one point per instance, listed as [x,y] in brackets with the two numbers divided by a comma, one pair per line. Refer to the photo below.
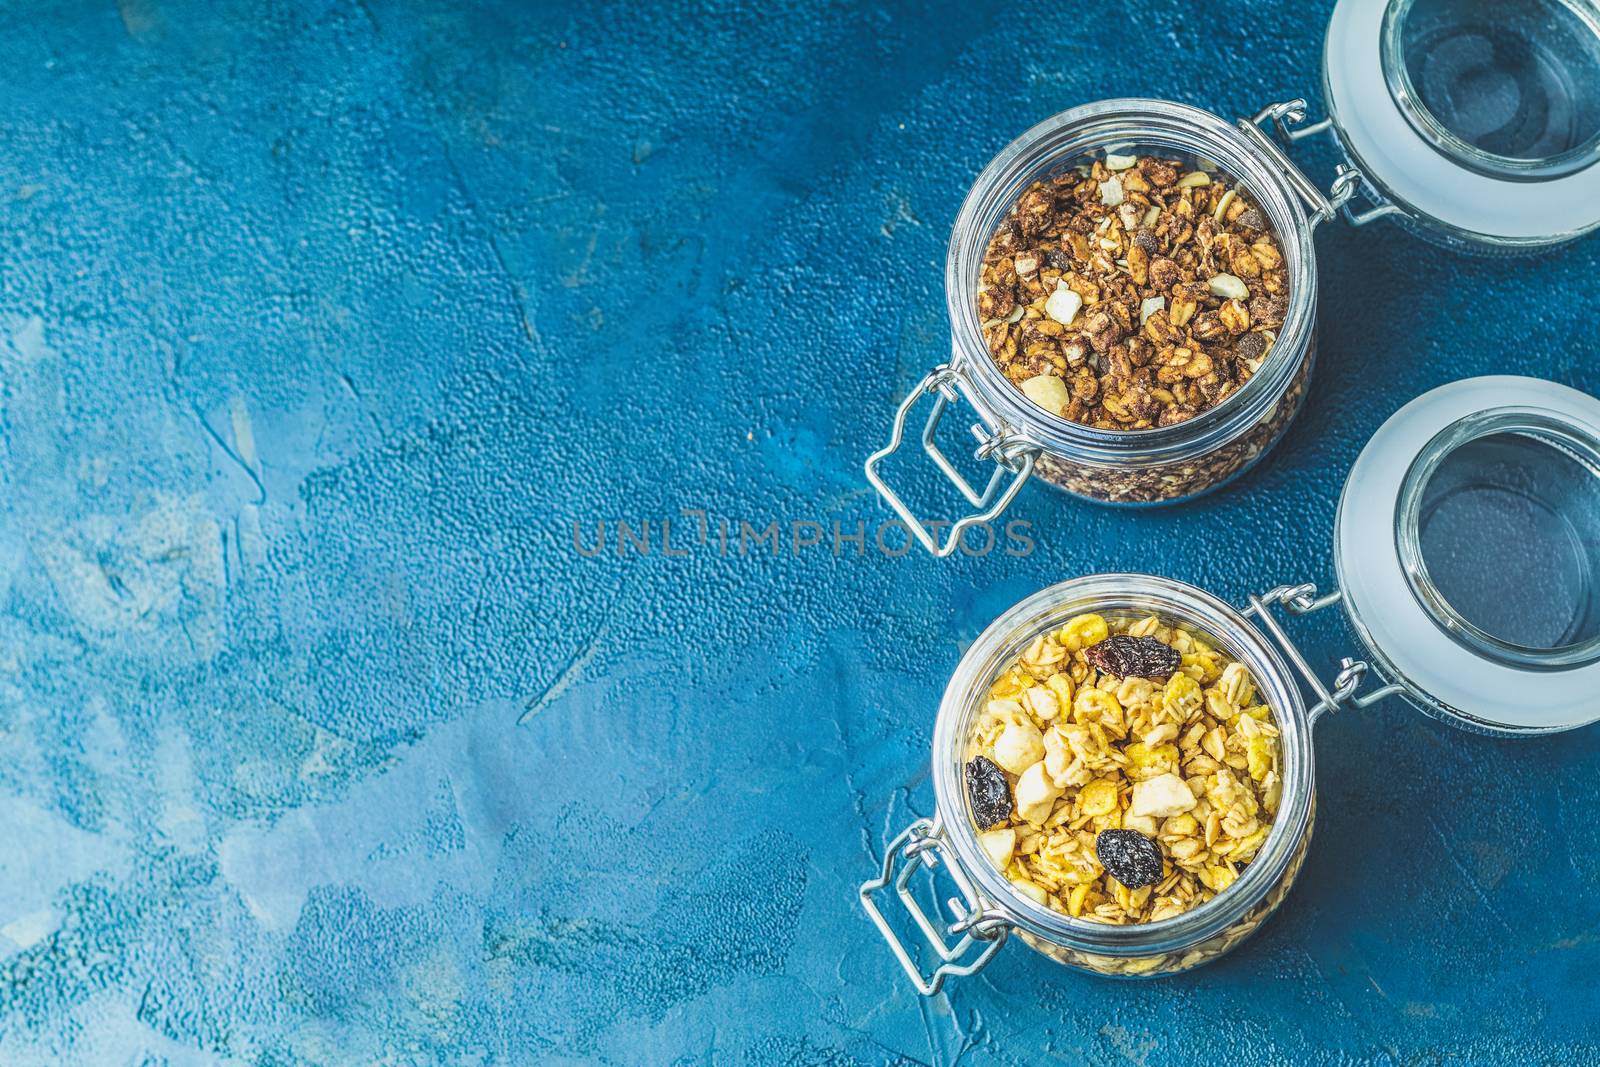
[180,821]
[44,855]
[244,434]
[28,340]
[158,574]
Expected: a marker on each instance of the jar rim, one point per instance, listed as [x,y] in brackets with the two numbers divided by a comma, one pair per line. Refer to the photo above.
[1576,442]
[1435,192]
[1403,638]
[1397,77]
[1004,638]
[1064,138]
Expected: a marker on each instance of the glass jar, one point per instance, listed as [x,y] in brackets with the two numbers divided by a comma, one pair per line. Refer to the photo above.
[1474,124]
[1390,70]
[1467,553]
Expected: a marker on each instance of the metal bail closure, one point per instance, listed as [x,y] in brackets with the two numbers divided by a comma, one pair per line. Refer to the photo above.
[1286,118]
[1303,600]
[1011,453]
[920,845]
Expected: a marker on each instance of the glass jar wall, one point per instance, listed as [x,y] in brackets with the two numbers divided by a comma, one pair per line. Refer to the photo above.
[1162,464]
[995,905]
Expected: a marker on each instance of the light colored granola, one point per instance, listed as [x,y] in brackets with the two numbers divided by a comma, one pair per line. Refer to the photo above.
[1187,760]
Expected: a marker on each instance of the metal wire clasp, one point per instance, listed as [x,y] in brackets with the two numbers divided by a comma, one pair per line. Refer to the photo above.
[1302,600]
[920,845]
[1286,119]
[1011,453]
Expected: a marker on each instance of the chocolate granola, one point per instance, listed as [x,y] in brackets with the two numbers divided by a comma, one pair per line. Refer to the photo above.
[1132,292]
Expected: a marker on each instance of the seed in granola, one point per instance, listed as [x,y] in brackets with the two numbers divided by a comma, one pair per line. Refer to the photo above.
[1049,392]
[1129,857]
[1135,657]
[1228,286]
[1063,305]
[1224,205]
[989,792]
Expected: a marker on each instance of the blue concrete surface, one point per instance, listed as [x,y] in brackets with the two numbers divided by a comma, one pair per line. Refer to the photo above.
[321,743]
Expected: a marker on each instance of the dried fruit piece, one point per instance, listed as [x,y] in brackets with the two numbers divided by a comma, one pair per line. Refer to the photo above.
[1135,657]
[1019,747]
[1084,630]
[1099,797]
[1063,304]
[988,791]
[1251,218]
[1129,857]
[998,845]
[1228,286]
[1161,796]
[1048,391]
[1036,794]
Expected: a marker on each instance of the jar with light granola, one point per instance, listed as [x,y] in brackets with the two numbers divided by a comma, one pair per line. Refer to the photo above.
[1052,892]
[1128,387]
[1122,769]
[1122,763]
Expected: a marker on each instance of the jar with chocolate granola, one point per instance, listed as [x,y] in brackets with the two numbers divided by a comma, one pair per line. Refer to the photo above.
[1132,283]
[1123,763]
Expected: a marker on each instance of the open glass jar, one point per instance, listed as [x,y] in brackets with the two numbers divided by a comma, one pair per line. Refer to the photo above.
[1474,130]
[1467,554]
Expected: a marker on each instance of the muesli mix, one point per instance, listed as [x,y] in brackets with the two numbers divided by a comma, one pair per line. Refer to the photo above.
[1123,770]
[1133,292]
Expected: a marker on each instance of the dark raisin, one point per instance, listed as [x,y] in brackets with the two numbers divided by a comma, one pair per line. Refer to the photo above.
[1251,219]
[989,792]
[1250,346]
[1130,857]
[1134,657]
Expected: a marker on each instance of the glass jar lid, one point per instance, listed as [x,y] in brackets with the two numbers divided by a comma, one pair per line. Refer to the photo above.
[1467,548]
[1480,119]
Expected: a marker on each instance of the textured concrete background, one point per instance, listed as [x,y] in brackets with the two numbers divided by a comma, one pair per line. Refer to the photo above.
[320,743]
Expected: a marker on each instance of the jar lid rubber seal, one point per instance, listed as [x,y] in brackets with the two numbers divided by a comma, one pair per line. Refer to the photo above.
[1470,203]
[1496,481]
